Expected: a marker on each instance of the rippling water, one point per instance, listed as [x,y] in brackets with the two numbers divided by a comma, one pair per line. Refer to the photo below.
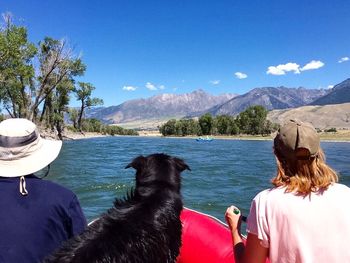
[223,172]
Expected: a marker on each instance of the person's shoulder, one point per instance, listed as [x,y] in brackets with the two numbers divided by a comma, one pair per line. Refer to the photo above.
[339,188]
[270,193]
[261,196]
[262,193]
[53,188]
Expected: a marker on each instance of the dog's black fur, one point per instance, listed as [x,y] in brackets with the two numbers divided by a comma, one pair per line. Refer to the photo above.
[143,227]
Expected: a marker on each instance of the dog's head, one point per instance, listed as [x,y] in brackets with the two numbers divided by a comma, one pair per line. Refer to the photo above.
[158,168]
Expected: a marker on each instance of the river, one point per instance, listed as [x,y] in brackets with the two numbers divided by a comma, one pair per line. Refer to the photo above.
[223,172]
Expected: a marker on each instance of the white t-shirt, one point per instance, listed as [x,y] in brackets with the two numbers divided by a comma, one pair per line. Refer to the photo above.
[315,228]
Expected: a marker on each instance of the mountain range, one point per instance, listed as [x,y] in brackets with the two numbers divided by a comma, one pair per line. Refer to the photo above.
[159,107]
[269,97]
[163,107]
[339,94]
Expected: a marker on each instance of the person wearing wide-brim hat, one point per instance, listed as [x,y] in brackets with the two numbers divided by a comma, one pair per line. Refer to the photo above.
[305,217]
[36,216]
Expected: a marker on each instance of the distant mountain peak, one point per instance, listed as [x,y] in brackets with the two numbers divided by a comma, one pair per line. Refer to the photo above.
[343,84]
[160,106]
[340,93]
[198,91]
[269,97]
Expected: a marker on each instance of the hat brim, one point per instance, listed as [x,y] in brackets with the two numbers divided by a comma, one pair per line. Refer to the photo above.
[38,160]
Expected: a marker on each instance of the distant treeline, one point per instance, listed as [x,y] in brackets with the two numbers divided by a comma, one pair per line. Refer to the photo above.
[95,125]
[251,121]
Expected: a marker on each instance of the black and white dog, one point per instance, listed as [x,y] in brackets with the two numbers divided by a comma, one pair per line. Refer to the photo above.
[143,227]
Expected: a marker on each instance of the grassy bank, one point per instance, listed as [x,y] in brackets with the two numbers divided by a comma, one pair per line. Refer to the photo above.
[341,135]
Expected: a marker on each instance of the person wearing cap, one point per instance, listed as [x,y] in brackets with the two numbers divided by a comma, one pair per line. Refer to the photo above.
[305,217]
[36,216]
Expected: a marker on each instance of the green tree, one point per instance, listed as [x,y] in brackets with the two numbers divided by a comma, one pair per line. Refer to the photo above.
[168,128]
[269,127]
[92,125]
[117,130]
[58,67]
[189,127]
[83,94]
[56,105]
[331,130]
[234,127]
[252,120]
[194,128]
[180,129]
[73,117]
[25,89]
[205,123]
[224,124]
[16,68]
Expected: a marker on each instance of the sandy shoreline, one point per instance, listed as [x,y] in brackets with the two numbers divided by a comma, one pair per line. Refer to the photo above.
[339,136]
[342,136]
[69,135]
[82,135]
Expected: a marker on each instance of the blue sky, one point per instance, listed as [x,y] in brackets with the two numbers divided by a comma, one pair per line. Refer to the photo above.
[137,48]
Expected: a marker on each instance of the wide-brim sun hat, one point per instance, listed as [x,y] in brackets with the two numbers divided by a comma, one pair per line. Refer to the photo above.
[22,150]
[295,135]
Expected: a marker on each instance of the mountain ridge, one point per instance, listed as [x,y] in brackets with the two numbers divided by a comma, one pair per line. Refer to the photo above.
[159,106]
[269,97]
[340,93]
[162,107]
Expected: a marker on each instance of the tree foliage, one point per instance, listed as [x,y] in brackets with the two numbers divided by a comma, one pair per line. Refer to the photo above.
[168,128]
[16,68]
[95,125]
[36,80]
[206,123]
[83,94]
[251,121]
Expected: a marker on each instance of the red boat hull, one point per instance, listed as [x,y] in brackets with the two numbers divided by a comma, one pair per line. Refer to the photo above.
[204,239]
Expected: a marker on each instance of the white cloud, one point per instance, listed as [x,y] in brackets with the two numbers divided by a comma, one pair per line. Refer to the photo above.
[214,82]
[343,59]
[330,86]
[153,87]
[314,64]
[283,68]
[241,75]
[150,86]
[129,88]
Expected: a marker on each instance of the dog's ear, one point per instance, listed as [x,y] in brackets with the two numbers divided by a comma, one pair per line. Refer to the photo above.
[181,165]
[138,163]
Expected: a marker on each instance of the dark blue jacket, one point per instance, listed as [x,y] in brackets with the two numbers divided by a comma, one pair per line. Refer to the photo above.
[33,226]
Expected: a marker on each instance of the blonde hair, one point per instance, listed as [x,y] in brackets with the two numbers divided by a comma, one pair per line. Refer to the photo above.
[304,176]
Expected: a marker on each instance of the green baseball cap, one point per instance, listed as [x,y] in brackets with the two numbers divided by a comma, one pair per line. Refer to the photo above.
[295,135]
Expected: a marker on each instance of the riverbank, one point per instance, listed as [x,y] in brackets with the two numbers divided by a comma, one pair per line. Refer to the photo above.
[70,135]
[341,136]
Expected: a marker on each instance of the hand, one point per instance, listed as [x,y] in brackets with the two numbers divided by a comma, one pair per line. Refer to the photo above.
[233,218]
